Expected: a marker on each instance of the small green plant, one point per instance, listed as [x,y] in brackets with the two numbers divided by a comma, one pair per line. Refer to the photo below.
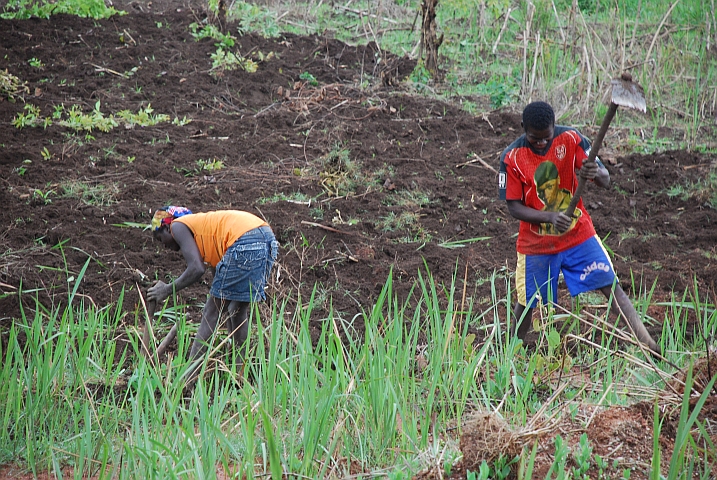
[339,174]
[462,243]
[704,190]
[79,121]
[36,62]
[45,153]
[57,111]
[211,31]
[224,60]
[483,472]
[143,117]
[393,222]
[316,213]
[582,455]
[561,457]
[295,197]
[254,17]
[211,165]
[30,118]
[420,75]
[180,123]
[501,91]
[43,196]
[309,78]
[412,198]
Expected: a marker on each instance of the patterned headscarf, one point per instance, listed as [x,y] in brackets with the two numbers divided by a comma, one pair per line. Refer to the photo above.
[166,215]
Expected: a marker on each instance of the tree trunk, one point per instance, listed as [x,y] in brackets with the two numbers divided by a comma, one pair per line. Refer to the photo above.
[429,38]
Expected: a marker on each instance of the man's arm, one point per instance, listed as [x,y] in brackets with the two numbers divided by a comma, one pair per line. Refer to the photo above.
[527,214]
[195,265]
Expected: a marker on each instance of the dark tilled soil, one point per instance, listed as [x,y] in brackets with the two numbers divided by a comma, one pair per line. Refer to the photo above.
[271,130]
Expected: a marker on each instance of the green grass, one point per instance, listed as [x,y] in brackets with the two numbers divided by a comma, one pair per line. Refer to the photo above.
[98,195]
[73,395]
[703,190]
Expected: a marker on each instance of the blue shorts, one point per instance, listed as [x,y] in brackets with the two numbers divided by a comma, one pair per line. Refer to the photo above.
[244,269]
[585,267]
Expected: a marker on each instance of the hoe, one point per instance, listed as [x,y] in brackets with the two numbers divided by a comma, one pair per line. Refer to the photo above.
[624,93]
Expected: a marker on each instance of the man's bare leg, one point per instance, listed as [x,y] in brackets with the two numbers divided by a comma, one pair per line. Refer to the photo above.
[623,303]
[523,318]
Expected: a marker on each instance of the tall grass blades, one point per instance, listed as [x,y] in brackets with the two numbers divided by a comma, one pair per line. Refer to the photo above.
[315,400]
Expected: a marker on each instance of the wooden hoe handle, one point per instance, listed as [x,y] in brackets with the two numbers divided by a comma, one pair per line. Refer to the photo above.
[612,109]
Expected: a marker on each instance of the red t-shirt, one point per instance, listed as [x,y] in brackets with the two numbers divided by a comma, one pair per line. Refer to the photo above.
[546,182]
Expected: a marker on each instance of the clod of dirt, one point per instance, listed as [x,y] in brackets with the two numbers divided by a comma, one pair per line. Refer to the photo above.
[486,436]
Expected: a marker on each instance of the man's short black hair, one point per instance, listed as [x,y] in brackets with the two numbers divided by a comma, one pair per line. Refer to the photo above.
[538,116]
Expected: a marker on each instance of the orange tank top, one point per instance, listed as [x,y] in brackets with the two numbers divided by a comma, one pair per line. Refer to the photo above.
[216,231]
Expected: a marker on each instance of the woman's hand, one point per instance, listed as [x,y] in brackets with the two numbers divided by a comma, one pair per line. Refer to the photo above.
[159,291]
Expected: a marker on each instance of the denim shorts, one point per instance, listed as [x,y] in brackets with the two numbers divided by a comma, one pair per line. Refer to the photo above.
[244,269]
[585,267]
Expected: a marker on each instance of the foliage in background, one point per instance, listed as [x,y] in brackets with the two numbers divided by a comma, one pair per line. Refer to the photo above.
[22,9]
[503,53]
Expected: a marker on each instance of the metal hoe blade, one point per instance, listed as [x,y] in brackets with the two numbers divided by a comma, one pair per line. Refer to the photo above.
[626,93]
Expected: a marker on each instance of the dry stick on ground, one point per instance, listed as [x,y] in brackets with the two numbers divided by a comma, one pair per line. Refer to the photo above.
[620,334]
[652,44]
[479,160]
[634,27]
[526,35]
[535,61]
[330,229]
[560,26]
[502,29]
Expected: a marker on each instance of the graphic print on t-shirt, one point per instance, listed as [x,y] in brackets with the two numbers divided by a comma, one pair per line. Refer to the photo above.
[553,197]
[517,181]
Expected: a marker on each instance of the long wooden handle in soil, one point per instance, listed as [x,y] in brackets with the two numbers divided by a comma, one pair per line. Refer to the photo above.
[167,340]
[146,336]
[612,109]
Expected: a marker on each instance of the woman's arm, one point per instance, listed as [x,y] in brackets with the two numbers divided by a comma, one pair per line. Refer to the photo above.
[188,246]
[195,265]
